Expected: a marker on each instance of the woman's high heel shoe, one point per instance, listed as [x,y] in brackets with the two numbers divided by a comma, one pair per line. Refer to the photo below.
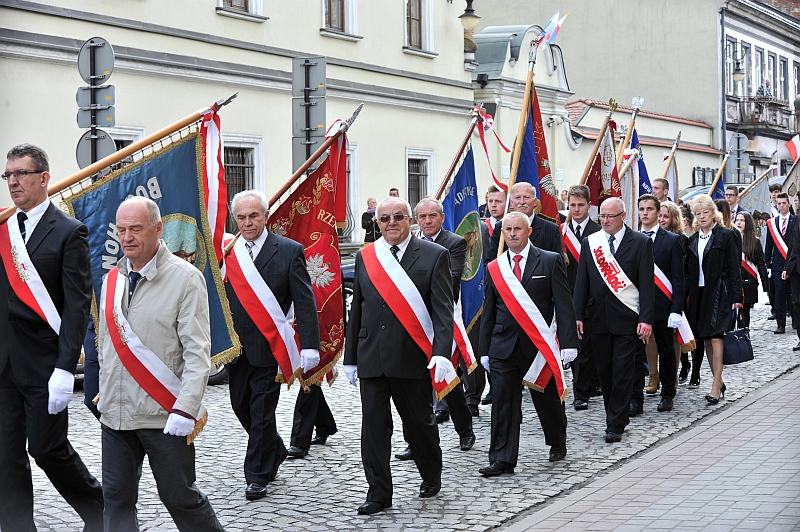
[722,390]
[711,399]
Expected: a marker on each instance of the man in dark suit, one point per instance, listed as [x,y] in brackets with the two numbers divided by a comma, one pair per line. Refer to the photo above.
[584,376]
[784,223]
[391,365]
[509,351]
[791,276]
[668,256]
[37,357]
[732,197]
[544,234]
[617,330]
[254,392]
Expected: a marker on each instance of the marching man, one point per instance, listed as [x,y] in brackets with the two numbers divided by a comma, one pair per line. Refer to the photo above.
[779,239]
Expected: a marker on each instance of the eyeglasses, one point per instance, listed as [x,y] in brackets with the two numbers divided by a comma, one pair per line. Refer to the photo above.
[610,216]
[398,217]
[730,195]
[19,173]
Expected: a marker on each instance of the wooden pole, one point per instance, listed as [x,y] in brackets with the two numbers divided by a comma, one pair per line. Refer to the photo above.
[636,104]
[450,171]
[719,173]
[758,179]
[671,157]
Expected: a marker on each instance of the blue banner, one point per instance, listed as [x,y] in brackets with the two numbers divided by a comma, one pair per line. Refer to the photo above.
[172,177]
[719,191]
[461,217]
[645,187]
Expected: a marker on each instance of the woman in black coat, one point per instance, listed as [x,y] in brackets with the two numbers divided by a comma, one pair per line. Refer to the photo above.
[371,230]
[754,255]
[715,285]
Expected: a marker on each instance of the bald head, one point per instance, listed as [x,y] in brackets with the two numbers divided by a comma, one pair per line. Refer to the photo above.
[612,215]
[139,227]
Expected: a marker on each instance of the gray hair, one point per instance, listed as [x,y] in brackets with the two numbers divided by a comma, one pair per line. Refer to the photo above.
[38,155]
[524,184]
[519,215]
[153,212]
[397,199]
[251,194]
[430,201]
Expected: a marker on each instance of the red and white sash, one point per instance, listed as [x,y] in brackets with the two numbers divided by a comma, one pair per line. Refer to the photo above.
[612,273]
[571,242]
[685,334]
[490,225]
[749,267]
[777,238]
[530,319]
[403,298]
[149,371]
[462,347]
[260,304]
[23,277]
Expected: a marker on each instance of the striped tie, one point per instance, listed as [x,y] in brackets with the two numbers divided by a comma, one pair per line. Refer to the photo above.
[249,246]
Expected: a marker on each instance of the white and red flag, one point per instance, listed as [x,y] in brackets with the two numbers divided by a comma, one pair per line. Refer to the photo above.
[214,178]
[794,147]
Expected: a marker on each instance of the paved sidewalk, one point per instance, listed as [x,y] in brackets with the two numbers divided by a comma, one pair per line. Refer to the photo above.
[737,470]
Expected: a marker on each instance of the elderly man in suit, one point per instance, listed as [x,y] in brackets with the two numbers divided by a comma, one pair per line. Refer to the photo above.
[394,311]
[43,319]
[281,265]
[613,298]
[511,341]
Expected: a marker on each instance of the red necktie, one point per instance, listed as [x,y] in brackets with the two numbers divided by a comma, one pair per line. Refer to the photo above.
[517,271]
[783,226]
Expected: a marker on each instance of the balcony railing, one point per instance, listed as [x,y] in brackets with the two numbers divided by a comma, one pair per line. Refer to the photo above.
[760,113]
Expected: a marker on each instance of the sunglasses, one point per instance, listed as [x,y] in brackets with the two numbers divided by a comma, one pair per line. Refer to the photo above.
[398,217]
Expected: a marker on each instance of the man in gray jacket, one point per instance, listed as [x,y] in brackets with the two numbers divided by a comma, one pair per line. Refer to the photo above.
[154,363]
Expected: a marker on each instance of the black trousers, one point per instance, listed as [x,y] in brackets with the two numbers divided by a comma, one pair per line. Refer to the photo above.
[583,371]
[412,399]
[91,371]
[24,418]
[794,284]
[781,296]
[615,358]
[475,382]
[507,377]
[311,410]
[254,398]
[172,463]
[639,373]
[456,404]
[667,366]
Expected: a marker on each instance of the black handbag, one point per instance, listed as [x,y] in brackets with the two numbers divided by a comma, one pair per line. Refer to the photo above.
[738,348]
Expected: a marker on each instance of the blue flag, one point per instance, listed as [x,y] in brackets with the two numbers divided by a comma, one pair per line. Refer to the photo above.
[719,190]
[645,187]
[173,179]
[461,217]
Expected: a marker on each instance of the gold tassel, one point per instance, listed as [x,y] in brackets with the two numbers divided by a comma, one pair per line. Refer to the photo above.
[472,367]
[453,384]
[198,428]
[689,346]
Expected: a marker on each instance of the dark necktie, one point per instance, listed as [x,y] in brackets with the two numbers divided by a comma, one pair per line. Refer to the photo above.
[429,239]
[21,217]
[249,246]
[649,233]
[517,270]
[611,244]
[578,232]
[134,277]
[395,250]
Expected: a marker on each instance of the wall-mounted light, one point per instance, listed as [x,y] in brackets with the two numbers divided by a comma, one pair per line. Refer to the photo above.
[469,20]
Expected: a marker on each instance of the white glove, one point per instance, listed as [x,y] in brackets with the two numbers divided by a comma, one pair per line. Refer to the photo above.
[568,355]
[309,358]
[674,320]
[177,425]
[352,374]
[60,388]
[485,363]
[769,273]
[444,369]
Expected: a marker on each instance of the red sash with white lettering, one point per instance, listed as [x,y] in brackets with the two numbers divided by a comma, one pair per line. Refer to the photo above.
[24,278]
[571,242]
[612,273]
[462,347]
[531,321]
[145,367]
[260,304]
[749,267]
[777,238]
[403,298]
[685,333]
[490,225]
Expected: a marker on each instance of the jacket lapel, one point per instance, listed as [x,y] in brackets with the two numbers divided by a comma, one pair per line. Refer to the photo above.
[42,229]
[266,252]
[530,264]
[625,245]
[410,255]
[659,241]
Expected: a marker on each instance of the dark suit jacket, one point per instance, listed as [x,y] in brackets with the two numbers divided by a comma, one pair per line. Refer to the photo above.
[457,247]
[376,340]
[597,307]
[59,249]
[794,250]
[545,280]
[544,235]
[572,267]
[772,254]
[668,255]
[282,265]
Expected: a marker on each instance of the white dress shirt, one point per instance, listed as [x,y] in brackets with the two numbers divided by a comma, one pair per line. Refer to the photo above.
[617,238]
[257,244]
[702,242]
[582,225]
[654,229]
[34,215]
[402,245]
[523,254]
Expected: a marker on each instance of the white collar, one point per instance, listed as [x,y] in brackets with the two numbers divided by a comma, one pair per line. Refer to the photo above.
[259,242]
[35,214]
[525,251]
[146,267]
[402,245]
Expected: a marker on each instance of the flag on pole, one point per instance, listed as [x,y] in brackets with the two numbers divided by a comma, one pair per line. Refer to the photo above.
[756,199]
[791,185]
[551,29]
[719,189]
[794,147]
[216,191]
[672,174]
[603,181]
[645,187]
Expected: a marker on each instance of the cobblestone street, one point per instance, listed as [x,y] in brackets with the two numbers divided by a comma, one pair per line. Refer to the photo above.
[322,491]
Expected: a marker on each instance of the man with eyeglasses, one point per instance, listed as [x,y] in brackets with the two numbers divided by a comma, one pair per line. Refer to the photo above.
[400,328]
[614,300]
[46,287]
[732,197]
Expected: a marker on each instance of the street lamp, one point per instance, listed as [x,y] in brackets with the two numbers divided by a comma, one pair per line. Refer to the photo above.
[469,20]
[738,71]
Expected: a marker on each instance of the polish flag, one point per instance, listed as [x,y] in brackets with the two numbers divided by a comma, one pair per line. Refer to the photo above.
[794,147]
[551,29]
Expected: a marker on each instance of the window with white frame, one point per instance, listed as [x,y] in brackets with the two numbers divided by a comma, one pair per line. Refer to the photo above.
[419,26]
[419,171]
[244,164]
[244,9]
[340,19]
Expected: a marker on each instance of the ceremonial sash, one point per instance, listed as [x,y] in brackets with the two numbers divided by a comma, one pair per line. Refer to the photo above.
[490,225]
[462,347]
[685,333]
[777,238]
[403,298]
[530,319]
[149,371]
[612,273]
[260,304]
[23,277]
[749,267]
[571,242]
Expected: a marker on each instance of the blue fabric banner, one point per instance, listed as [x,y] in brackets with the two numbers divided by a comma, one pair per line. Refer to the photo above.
[645,187]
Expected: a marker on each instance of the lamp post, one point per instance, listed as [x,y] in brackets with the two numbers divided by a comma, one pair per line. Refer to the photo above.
[736,56]
[469,20]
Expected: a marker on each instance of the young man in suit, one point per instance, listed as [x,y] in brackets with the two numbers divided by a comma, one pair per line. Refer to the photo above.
[584,375]
[388,360]
[614,303]
[281,263]
[791,276]
[37,356]
[732,197]
[779,239]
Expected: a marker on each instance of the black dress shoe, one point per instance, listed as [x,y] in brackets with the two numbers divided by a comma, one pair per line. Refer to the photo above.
[473,409]
[442,416]
[613,437]
[580,404]
[771,316]
[467,442]
[694,382]
[598,392]
[797,347]
[496,468]
[665,405]
[487,400]
[557,454]
[296,452]
[635,409]
[427,489]
[405,455]
[373,507]
[255,491]
[780,330]
[319,440]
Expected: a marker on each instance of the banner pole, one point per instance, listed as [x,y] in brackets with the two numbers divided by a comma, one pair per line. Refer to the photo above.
[450,171]
[719,173]
[758,179]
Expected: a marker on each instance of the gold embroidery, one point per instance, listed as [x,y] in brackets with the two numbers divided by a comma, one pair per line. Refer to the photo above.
[120,327]
[19,265]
